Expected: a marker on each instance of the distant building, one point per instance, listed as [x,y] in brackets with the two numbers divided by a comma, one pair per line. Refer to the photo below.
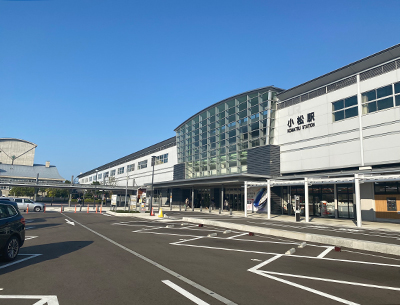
[17,164]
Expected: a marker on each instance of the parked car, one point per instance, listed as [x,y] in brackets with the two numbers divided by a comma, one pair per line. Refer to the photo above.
[25,203]
[12,230]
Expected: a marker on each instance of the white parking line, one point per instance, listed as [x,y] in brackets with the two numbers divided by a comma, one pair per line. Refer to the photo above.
[237,235]
[20,260]
[44,299]
[185,293]
[329,249]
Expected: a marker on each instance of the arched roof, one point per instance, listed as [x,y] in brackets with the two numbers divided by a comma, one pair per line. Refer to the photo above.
[224,100]
[17,140]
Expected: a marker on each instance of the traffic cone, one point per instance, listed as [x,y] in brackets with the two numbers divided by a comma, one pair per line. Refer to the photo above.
[27,208]
[152,213]
[96,209]
[87,209]
[160,214]
[75,208]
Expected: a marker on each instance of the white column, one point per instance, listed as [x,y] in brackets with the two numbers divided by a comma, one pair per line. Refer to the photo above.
[359,104]
[269,198]
[245,199]
[336,200]
[358,199]
[307,207]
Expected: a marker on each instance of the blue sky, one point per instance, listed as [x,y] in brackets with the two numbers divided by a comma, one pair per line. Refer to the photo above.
[92,81]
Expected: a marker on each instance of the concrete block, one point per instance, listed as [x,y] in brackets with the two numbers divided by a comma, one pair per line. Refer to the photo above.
[212,235]
[291,251]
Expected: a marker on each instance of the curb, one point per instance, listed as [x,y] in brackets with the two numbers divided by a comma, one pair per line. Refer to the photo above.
[324,239]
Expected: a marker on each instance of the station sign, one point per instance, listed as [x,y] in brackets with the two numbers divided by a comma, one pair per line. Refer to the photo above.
[301,122]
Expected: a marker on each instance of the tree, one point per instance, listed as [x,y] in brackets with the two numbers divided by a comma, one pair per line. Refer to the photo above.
[22,191]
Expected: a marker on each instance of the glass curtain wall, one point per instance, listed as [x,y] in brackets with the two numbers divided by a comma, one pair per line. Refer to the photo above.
[215,142]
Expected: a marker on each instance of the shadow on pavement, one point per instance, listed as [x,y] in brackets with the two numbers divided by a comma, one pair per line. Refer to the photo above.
[47,251]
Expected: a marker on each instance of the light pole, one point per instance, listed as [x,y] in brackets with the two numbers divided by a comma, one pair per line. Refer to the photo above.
[153,160]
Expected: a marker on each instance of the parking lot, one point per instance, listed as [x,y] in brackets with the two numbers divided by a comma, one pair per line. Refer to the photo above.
[88,258]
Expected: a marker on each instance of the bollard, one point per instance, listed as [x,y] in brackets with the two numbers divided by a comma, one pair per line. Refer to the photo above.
[87,209]
[75,208]
[209,210]
[185,207]
[27,208]
[219,211]
[201,208]
[230,212]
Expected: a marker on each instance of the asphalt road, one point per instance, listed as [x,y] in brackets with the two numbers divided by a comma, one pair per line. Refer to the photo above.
[115,260]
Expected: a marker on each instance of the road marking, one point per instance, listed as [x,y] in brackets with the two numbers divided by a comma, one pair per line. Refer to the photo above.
[328,249]
[237,235]
[69,222]
[44,299]
[397,259]
[29,237]
[329,296]
[185,240]
[21,260]
[185,293]
[256,260]
[169,271]
[331,280]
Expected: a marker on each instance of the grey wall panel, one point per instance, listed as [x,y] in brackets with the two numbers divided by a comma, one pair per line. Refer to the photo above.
[179,171]
[264,160]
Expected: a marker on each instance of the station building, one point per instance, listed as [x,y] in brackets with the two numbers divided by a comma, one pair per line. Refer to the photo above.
[333,141]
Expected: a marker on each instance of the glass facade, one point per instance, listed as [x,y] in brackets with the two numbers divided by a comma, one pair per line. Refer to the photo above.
[215,141]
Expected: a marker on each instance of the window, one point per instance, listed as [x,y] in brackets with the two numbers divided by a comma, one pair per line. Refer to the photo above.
[345,108]
[130,167]
[99,176]
[377,99]
[142,164]
[112,173]
[11,211]
[105,175]
[164,158]
[90,178]
[397,93]
[121,170]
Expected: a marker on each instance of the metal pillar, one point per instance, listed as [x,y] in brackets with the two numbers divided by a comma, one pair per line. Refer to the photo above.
[307,207]
[126,190]
[170,201]
[192,199]
[269,198]
[245,199]
[222,197]
[358,199]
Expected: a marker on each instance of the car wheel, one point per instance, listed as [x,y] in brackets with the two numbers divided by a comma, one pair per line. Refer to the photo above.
[11,249]
[37,209]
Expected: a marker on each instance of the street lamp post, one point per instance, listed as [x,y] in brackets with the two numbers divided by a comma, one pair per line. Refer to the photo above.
[153,160]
